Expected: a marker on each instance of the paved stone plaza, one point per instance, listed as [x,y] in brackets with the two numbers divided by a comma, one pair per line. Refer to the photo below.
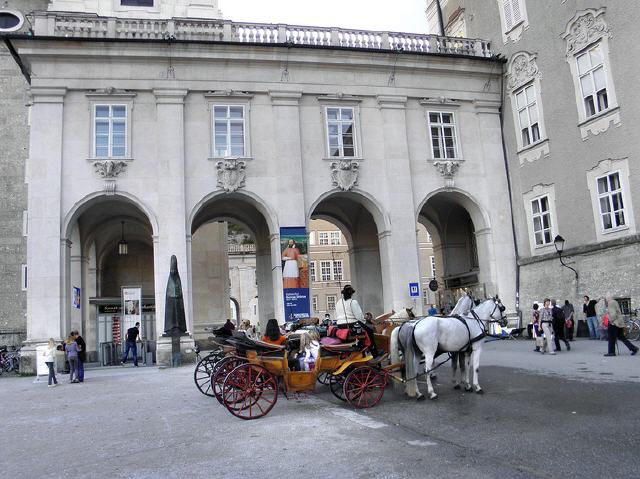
[569,415]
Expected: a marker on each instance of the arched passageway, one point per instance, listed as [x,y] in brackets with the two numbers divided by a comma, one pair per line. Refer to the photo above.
[458,232]
[109,246]
[358,221]
[209,257]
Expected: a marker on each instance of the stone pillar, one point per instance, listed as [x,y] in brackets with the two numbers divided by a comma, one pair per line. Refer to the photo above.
[44,265]
[288,167]
[400,246]
[497,243]
[171,208]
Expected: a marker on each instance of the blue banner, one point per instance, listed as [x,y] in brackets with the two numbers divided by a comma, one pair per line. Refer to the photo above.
[295,272]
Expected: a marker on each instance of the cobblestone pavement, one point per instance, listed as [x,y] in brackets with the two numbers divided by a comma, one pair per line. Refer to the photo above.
[569,415]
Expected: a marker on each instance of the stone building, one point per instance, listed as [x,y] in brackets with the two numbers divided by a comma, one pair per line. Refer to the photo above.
[147,127]
[570,106]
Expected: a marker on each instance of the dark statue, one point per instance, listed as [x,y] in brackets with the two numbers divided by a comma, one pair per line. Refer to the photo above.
[175,322]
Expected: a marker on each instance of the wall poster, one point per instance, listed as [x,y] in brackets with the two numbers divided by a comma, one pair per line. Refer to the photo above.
[131,308]
[295,272]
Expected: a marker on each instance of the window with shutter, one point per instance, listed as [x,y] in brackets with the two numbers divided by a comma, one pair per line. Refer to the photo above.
[508,15]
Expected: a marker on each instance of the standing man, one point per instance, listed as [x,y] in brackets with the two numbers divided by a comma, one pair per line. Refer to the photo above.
[589,310]
[82,355]
[132,337]
[569,319]
[616,327]
[432,311]
[557,315]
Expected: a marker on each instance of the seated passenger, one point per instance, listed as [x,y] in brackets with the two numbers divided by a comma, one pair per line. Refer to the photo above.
[272,334]
[348,312]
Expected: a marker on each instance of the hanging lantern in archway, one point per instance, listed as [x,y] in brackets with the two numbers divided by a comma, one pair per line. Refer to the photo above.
[123,247]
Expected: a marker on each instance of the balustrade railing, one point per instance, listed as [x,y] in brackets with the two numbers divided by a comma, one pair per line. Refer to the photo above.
[91,26]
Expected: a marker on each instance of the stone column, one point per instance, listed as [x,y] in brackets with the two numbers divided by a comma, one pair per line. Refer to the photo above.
[400,259]
[288,170]
[171,208]
[44,265]
[497,242]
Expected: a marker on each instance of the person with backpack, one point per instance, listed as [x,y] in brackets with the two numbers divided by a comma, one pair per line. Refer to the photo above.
[558,320]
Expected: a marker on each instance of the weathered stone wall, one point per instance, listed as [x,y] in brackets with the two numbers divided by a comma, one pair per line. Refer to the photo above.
[614,269]
[13,192]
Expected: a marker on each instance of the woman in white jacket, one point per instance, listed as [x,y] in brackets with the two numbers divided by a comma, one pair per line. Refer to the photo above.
[50,360]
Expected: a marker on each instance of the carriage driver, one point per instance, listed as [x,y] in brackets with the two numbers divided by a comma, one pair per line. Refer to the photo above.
[348,312]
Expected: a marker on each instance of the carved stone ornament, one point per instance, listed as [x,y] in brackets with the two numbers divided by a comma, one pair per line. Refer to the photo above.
[109,168]
[585,28]
[231,174]
[344,174]
[447,168]
[522,69]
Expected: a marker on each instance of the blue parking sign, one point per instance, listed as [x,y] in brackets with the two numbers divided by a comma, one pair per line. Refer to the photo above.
[414,290]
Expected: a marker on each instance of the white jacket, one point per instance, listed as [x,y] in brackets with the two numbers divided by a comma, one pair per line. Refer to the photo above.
[348,311]
[49,355]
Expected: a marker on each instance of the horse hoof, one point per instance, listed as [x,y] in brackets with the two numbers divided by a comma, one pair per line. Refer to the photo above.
[467,388]
[421,397]
[433,397]
[457,386]
[480,391]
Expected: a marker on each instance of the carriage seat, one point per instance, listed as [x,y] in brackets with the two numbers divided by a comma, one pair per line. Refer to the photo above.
[340,348]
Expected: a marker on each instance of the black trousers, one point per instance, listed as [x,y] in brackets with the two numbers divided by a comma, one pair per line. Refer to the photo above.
[616,333]
[558,334]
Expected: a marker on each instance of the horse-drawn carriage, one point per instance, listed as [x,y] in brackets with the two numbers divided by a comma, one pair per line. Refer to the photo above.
[247,375]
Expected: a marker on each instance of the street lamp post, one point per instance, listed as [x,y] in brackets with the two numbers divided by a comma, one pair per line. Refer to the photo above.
[558,242]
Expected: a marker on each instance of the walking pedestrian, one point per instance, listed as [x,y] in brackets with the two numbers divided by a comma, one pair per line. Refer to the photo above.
[71,347]
[557,315]
[546,320]
[130,344]
[50,360]
[616,327]
[432,310]
[82,355]
[589,310]
[569,319]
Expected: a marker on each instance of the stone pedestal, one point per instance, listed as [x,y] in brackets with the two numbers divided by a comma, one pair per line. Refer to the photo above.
[164,353]
[28,358]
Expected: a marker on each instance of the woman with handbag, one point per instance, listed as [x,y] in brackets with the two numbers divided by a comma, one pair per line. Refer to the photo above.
[616,327]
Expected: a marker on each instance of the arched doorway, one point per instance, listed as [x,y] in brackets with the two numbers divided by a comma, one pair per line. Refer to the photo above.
[210,250]
[458,231]
[109,246]
[359,222]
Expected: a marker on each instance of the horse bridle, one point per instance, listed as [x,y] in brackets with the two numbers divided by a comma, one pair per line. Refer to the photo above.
[497,305]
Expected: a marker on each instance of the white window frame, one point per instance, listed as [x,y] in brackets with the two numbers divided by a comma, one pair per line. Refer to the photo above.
[334,238]
[608,196]
[312,238]
[323,238]
[314,303]
[341,101]
[340,122]
[329,308]
[513,32]
[526,108]
[116,98]
[589,75]
[228,119]
[539,191]
[432,262]
[440,126]
[312,270]
[24,279]
[334,271]
[580,42]
[111,119]
[541,215]
[326,265]
[604,168]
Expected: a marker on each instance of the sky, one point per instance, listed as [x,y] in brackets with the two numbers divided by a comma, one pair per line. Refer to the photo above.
[385,15]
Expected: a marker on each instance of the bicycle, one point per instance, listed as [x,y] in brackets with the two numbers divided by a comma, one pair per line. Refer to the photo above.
[632,326]
[9,360]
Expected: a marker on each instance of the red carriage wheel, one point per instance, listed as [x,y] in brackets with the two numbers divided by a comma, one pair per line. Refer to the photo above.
[219,374]
[250,391]
[364,387]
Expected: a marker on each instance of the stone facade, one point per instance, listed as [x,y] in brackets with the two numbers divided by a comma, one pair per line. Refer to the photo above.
[424,130]
[14,139]
[542,44]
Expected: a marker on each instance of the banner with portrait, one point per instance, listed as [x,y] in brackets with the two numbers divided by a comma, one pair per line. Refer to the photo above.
[295,272]
[131,308]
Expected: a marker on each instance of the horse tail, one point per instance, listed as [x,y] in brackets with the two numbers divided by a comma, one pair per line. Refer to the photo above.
[394,346]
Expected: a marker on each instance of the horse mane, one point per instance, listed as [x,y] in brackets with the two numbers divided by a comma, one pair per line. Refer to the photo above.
[464,305]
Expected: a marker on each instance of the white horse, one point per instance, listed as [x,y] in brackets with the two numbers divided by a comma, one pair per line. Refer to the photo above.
[446,334]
